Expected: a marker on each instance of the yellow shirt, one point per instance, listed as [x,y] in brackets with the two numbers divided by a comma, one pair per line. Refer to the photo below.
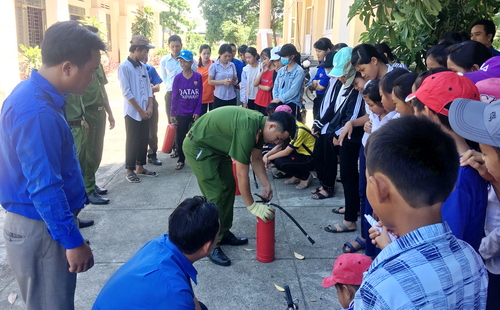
[304,140]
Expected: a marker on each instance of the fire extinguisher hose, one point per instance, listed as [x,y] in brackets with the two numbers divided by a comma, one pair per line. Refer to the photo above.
[293,220]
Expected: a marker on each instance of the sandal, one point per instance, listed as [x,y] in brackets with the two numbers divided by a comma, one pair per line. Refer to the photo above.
[293,180]
[320,196]
[148,173]
[316,190]
[279,175]
[349,248]
[337,210]
[302,185]
[133,178]
[174,154]
[333,229]
[179,165]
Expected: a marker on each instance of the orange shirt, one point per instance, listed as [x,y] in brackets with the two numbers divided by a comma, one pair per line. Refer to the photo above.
[208,90]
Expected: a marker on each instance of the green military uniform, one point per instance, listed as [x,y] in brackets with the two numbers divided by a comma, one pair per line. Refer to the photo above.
[95,116]
[224,133]
[74,117]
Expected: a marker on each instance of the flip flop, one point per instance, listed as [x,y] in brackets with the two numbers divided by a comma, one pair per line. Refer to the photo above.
[342,226]
[279,175]
[133,178]
[337,210]
[352,248]
[304,186]
[148,173]
[174,154]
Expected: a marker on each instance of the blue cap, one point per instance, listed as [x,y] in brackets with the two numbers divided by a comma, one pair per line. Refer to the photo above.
[339,60]
[186,55]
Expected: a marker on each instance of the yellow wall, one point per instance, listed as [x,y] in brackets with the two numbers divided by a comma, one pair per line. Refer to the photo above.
[340,32]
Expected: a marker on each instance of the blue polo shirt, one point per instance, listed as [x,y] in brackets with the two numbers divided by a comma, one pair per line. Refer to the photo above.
[465,209]
[239,67]
[42,179]
[322,78]
[156,277]
[154,78]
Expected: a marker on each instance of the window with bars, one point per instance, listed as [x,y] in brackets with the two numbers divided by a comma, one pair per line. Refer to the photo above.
[75,12]
[329,14]
[30,21]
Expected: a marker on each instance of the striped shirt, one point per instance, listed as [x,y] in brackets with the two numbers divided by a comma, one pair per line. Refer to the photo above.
[427,268]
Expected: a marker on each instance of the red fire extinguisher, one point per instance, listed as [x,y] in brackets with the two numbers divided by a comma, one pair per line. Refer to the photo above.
[265,234]
[265,240]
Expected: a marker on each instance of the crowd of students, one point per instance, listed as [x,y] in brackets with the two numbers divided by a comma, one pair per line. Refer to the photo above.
[417,152]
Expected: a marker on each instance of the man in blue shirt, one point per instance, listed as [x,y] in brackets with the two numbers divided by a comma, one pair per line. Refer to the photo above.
[159,275]
[45,190]
[484,31]
[239,69]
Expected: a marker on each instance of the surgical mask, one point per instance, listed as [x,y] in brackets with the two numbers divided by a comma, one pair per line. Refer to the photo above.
[285,61]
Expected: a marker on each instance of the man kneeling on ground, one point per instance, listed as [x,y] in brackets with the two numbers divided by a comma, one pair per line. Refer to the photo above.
[158,275]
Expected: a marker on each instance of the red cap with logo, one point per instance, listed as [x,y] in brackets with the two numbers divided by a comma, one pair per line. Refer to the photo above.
[441,88]
[348,269]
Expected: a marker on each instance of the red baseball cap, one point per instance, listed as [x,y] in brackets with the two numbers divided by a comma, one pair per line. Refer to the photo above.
[348,269]
[441,88]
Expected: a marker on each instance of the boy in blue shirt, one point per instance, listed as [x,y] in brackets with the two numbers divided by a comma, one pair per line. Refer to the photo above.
[465,208]
[412,167]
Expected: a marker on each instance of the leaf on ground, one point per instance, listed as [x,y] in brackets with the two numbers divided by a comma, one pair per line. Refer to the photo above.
[313,300]
[279,288]
[248,249]
[12,298]
[298,256]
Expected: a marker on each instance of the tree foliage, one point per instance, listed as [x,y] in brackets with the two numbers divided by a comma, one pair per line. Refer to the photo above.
[277,18]
[144,23]
[411,27]
[193,41]
[93,21]
[175,18]
[241,12]
[238,33]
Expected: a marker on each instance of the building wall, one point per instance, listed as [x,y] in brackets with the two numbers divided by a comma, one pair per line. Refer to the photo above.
[308,20]
[121,14]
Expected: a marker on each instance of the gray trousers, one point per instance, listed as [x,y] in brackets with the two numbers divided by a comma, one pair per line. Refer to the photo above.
[39,264]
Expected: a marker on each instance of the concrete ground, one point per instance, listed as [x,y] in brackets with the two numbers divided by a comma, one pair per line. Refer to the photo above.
[139,212]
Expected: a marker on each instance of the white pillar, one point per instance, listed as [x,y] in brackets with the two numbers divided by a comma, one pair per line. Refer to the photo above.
[9,56]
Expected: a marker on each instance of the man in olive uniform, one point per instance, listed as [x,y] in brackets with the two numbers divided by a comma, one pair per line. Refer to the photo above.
[233,132]
[79,129]
[96,104]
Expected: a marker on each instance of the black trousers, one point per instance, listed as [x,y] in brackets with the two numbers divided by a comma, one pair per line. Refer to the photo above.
[220,103]
[295,109]
[493,301]
[251,104]
[325,162]
[295,164]
[153,131]
[182,129]
[349,152]
[205,107]
[136,145]
[317,104]
[261,109]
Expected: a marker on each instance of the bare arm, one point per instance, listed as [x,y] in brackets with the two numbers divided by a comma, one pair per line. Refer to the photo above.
[260,172]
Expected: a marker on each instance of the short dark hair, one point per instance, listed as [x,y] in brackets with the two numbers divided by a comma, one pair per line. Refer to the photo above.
[92,28]
[271,107]
[242,48]
[284,121]
[233,45]
[402,85]
[488,25]
[323,44]
[439,53]
[453,37]
[425,158]
[266,52]
[338,46]
[363,53]
[384,48]
[69,41]
[225,48]
[373,93]
[174,38]
[387,82]
[469,53]
[132,48]
[193,223]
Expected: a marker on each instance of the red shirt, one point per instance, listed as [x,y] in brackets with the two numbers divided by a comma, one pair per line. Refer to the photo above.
[263,97]
[208,90]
